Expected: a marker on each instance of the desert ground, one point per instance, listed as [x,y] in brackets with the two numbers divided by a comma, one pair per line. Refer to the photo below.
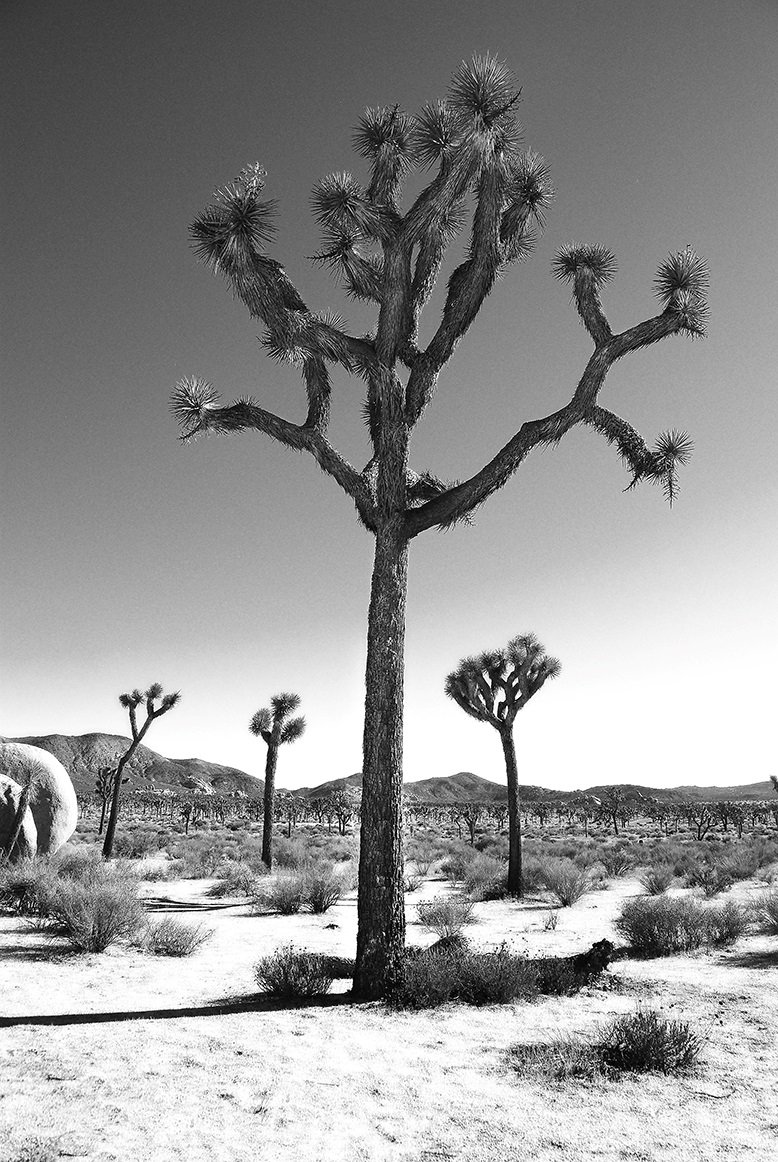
[140,1064]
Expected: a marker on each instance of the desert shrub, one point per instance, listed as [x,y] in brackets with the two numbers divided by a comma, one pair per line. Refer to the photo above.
[199,856]
[765,912]
[289,853]
[82,865]
[135,844]
[155,871]
[665,925]
[566,882]
[485,878]
[531,874]
[645,1042]
[656,880]
[92,916]
[282,893]
[445,915]
[322,888]
[412,883]
[726,923]
[455,865]
[742,863]
[233,878]
[169,937]
[639,1042]
[565,1059]
[36,1149]
[424,853]
[711,878]
[455,973]
[26,886]
[289,973]
[339,967]
[616,860]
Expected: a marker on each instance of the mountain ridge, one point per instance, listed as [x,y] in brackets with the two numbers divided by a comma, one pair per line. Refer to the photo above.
[82,754]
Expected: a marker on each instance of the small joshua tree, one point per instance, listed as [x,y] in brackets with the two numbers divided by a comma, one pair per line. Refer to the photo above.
[104,790]
[493,688]
[156,704]
[275,727]
[392,257]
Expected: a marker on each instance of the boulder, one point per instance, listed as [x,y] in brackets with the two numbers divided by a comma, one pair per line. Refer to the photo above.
[10,794]
[53,802]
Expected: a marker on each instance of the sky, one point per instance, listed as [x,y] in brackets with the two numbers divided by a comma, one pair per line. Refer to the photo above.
[230,568]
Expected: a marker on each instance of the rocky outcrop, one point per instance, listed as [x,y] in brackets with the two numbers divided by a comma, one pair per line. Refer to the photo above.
[10,796]
[52,804]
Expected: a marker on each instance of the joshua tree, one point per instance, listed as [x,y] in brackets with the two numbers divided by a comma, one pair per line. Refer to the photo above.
[392,258]
[493,688]
[156,704]
[275,727]
[104,789]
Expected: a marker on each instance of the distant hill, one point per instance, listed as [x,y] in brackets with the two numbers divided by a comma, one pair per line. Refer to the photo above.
[82,754]
[456,788]
[325,788]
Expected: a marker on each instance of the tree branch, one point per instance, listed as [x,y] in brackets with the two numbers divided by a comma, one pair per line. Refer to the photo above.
[194,406]
[458,501]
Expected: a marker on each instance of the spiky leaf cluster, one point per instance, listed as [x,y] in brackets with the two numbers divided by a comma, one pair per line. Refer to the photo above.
[234,229]
[273,723]
[597,260]
[681,285]
[496,684]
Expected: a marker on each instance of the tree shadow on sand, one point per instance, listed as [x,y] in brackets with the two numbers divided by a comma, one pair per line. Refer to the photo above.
[754,958]
[222,1008]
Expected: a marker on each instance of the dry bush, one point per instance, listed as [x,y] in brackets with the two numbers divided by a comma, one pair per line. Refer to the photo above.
[445,915]
[26,886]
[711,878]
[412,883]
[666,925]
[233,878]
[169,937]
[93,916]
[641,1042]
[289,973]
[36,1149]
[765,912]
[284,893]
[322,888]
[656,880]
[486,878]
[646,1042]
[450,971]
[564,880]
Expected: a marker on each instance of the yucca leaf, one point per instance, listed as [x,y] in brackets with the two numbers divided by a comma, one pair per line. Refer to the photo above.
[598,260]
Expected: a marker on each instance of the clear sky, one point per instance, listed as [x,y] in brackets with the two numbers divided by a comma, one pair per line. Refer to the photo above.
[231,568]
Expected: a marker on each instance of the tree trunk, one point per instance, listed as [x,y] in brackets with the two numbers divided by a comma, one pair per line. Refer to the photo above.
[381,907]
[113,817]
[270,795]
[102,817]
[515,885]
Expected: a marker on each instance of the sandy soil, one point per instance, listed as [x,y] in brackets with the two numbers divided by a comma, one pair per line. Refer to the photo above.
[341,1082]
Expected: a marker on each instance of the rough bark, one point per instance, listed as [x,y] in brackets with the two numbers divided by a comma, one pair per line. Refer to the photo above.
[515,884]
[113,817]
[270,792]
[381,910]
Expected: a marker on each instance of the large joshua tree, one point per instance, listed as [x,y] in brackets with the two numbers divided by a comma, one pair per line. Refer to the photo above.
[274,726]
[493,688]
[156,704]
[392,258]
